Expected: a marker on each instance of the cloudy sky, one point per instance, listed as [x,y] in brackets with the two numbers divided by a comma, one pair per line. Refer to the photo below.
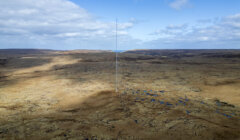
[142,24]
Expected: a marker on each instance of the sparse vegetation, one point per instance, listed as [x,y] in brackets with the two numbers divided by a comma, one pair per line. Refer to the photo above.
[187,94]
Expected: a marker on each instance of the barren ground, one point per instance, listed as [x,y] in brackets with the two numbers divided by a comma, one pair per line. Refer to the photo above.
[163,94]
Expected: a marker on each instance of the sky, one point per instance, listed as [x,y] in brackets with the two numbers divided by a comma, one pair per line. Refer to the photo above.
[142,24]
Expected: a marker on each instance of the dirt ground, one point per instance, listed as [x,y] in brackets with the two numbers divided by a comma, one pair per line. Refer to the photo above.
[162,94]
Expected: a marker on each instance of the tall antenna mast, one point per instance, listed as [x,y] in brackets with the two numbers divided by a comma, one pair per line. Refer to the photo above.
[116,84]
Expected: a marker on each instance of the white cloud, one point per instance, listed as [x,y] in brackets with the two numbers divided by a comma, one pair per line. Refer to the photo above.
[52,21]
[224,33]
[62,24]
[178,4]
[172,31]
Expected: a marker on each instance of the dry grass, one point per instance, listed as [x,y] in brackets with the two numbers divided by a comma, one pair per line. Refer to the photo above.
[162,95]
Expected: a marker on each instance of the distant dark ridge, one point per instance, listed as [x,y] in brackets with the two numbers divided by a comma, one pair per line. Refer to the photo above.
[30,52]
[202,51]
[176,54]
[119,51]
[17,49]
[23,51]
[209,50]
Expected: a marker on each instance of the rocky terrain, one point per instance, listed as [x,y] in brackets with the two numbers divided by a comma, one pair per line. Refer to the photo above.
[162,94]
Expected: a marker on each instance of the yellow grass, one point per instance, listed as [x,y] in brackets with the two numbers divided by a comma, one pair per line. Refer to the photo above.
[71,96]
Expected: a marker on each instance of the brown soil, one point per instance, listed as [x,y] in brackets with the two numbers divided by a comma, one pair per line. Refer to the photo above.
[163,94]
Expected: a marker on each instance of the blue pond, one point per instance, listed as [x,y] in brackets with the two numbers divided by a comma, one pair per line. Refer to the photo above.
[153,100]
[162,91]
[168,104]
[161,102]
[226,115]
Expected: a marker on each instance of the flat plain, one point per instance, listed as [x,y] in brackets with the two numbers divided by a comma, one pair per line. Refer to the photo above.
[162,94]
